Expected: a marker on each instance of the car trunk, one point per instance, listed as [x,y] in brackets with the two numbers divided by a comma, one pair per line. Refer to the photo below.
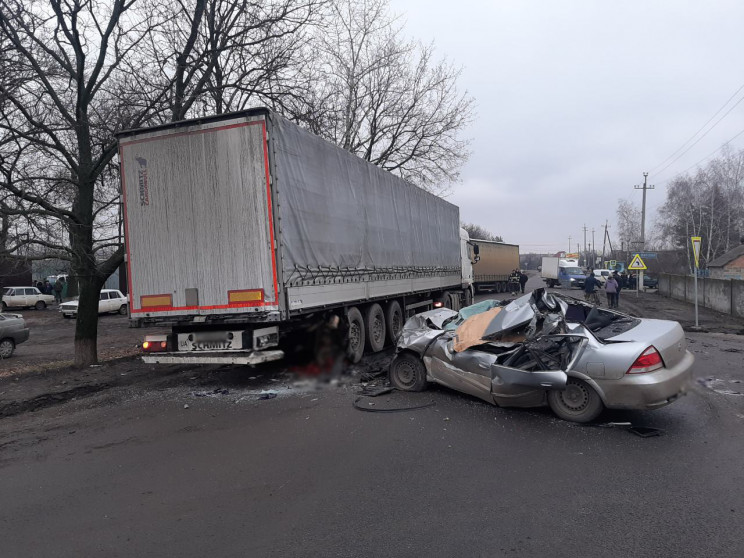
[668,338]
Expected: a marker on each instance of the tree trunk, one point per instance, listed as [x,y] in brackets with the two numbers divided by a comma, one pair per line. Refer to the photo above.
[86,328]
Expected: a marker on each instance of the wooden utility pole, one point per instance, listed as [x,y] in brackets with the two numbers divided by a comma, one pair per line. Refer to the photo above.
[643,222]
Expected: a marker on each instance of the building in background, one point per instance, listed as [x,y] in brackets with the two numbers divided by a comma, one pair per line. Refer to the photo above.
[730,265]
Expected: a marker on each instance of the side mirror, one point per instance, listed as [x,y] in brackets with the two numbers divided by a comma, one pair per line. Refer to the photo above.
[476,249]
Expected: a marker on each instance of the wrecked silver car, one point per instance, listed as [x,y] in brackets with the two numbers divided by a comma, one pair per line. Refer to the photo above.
[546,348]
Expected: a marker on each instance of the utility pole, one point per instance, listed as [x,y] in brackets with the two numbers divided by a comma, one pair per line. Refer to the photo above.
[643,223]
[594,255]
[569,244]
[585,229]
[604,241]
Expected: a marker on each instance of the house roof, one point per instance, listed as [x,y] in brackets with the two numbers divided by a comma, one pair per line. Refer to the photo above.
[729,256]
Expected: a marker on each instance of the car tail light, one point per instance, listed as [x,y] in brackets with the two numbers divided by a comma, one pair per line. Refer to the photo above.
[155,344]
[649,361]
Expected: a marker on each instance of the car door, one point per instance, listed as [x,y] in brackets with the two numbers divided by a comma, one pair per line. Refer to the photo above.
[535,367]
[467,371]
[33,296]
[103,303]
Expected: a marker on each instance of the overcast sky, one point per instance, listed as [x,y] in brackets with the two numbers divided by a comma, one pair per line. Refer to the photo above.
[575,99]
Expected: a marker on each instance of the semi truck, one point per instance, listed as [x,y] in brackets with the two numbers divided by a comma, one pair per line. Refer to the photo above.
[243,228]
[495,261]
[561,272]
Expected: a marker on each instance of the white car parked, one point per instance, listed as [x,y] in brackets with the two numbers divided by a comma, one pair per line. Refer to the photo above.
[25,297]
[111,300]
[602,275]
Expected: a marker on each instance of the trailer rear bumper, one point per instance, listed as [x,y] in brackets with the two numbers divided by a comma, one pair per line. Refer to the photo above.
[250,358]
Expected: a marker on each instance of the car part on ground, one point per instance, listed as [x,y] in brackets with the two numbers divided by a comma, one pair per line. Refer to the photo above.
[544,348]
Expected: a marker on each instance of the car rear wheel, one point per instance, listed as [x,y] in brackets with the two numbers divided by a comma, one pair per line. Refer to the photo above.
[5,307]
[407,373]
[123,310]
[579,402]
[6,348]
[40,305]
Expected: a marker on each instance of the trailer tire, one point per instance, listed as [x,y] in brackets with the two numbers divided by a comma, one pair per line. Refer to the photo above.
[355,347]
[375,325]
[499,288]
[393,321]
[468,300]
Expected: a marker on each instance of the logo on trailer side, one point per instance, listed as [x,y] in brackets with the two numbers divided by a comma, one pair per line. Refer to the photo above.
[144,189]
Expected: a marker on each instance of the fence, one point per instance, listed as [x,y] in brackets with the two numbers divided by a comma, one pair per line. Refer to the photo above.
[722,295]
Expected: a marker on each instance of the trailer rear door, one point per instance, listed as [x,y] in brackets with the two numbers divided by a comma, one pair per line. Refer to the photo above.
[198,217]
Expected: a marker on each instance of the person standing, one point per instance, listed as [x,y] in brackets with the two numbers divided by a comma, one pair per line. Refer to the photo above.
[58,291]
[611,290]
[590,283]
[522,280]
[621,284]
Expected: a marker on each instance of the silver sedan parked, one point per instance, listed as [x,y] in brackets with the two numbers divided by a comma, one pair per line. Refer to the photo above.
[13,330]
[546,348]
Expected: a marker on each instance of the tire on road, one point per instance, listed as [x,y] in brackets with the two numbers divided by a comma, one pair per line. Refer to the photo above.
[407,372]
[579,402]
[123,310]
[393,321]
[374,324]
[7,346]
[5,307]
[40,305]
[355,347]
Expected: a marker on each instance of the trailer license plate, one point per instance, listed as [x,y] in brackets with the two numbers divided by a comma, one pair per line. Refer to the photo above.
[211,341]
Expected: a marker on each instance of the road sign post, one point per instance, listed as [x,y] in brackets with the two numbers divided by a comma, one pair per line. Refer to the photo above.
[696,240]
[636,264]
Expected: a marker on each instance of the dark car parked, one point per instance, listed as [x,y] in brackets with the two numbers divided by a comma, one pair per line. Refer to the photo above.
[650,282]
[13,330]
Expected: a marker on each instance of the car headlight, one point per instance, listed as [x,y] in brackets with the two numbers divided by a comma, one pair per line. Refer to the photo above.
[572,280]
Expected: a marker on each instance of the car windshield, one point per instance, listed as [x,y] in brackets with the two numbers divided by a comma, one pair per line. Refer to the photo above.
[573,270]
[6,290]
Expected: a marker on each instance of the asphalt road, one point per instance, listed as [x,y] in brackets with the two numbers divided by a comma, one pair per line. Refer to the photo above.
[187,471]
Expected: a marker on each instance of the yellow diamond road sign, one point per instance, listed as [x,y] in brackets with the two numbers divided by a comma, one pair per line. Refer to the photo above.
[696,240]
[637,264]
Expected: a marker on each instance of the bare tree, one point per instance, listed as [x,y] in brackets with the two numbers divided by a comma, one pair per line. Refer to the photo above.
[75,72]
[481,233]
[709,204]
[628,223]
[384,98]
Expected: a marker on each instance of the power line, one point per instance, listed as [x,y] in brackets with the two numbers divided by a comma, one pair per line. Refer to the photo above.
[706,157]
[678,157]
[653,170]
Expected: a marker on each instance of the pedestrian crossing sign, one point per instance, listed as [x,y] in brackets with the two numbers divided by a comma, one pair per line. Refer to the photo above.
[636,264]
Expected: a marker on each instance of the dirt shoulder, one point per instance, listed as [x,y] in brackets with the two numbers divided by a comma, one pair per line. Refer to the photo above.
[51,345]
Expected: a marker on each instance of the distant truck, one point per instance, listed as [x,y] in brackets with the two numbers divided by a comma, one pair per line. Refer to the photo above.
[494,262]
[559,272]
[244,228]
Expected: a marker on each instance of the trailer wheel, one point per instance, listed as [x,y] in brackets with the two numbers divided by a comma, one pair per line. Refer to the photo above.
[355,348]
[468,297]
[498,288]
[393,321]
[375,326]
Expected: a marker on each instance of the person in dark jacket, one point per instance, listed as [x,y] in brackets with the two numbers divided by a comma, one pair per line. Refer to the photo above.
[522,280]
[591,283]
[620,286]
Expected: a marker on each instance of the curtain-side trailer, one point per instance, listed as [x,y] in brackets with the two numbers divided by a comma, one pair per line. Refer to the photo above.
[496,261]
[242,227]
